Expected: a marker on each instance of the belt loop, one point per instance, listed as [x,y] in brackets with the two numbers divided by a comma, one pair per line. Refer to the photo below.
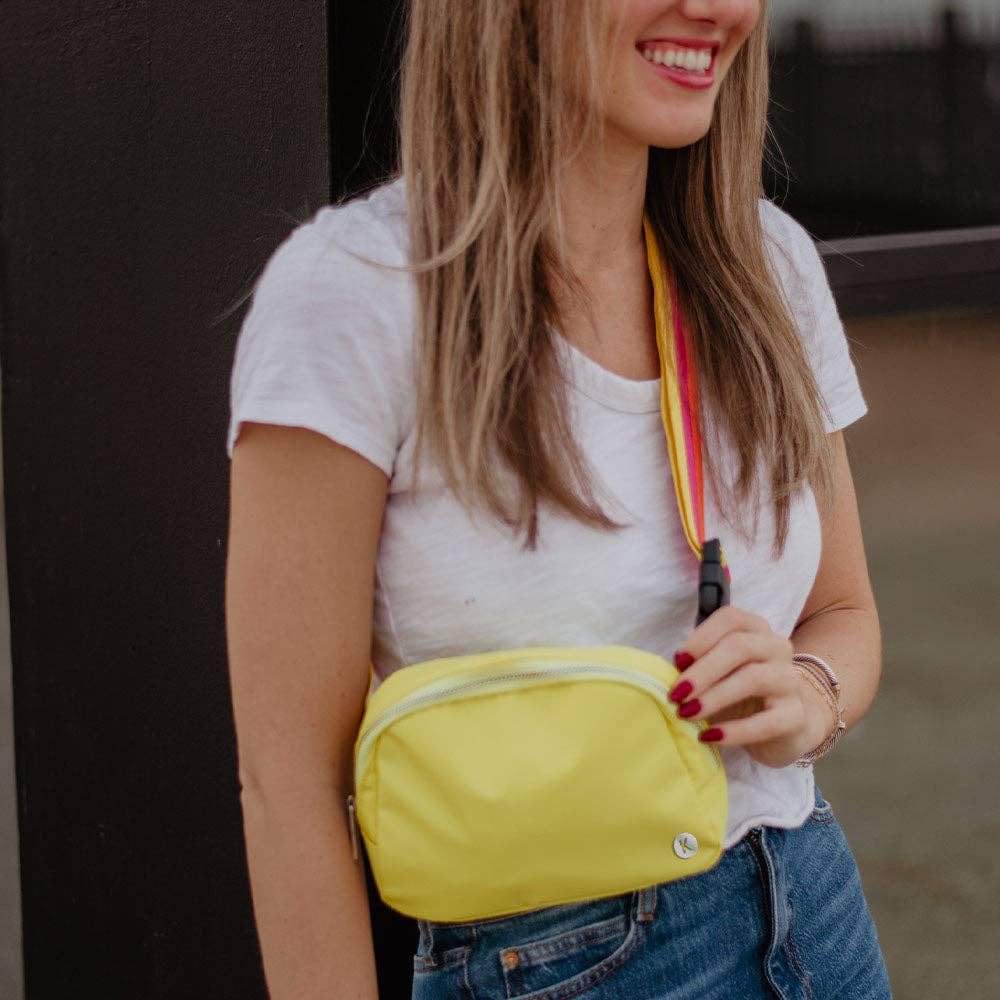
[426,944]
[646,903]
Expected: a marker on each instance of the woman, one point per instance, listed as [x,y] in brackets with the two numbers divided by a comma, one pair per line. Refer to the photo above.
[507,327]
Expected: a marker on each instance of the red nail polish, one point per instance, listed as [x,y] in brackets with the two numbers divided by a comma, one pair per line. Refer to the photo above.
[683,660]
[693,707]
[712,735]
[680,692]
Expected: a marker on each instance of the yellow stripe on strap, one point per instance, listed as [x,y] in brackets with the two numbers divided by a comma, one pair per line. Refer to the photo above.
[678,401]
[670,397]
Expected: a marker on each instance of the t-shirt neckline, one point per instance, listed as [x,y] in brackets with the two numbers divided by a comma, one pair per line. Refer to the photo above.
[604,386]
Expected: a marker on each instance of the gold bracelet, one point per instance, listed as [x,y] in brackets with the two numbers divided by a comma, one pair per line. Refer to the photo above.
[824,680]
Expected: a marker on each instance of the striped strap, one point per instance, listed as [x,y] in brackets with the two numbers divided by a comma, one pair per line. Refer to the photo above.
[678,401]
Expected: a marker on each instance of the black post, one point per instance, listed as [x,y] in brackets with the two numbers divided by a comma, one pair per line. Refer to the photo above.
[153,157]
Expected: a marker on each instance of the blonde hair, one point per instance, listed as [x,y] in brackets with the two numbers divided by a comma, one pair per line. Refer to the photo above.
[485,124]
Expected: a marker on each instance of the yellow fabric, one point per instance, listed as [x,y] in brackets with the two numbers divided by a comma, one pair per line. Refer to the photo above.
[542,784]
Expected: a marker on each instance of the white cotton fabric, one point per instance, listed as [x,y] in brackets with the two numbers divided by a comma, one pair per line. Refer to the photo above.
[328,344]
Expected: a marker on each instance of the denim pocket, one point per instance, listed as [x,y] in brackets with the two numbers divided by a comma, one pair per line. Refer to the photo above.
[576,946]
[822,810]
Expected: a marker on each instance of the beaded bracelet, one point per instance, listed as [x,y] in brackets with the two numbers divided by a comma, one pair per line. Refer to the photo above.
[818,673]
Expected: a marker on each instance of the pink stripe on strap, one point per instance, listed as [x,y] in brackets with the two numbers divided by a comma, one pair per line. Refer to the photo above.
[691,456]
[679,399]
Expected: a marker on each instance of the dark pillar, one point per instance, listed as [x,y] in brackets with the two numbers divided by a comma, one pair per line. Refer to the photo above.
[153,155]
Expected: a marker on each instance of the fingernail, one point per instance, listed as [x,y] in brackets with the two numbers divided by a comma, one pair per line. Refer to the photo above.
[683,660]
[680,692]
[693,707]
[712,735]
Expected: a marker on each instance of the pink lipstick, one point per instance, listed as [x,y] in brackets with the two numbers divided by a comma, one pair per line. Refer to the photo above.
[688,62]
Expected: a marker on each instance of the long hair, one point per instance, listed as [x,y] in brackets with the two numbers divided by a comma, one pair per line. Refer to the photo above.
[485,124]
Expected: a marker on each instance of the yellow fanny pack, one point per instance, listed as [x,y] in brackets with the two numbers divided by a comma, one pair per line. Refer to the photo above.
[499,782]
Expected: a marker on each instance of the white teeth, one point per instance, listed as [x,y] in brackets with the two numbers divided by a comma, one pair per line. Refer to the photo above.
[692,60]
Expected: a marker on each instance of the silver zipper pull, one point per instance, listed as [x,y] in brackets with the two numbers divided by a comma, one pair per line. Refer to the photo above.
[352,823]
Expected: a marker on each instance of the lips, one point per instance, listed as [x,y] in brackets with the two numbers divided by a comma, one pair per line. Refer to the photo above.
[687,43]
[689,62]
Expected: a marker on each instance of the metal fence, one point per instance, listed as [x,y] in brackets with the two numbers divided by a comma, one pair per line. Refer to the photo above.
[879,132]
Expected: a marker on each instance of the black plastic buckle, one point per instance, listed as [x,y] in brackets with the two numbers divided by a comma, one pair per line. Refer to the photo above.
[713,581]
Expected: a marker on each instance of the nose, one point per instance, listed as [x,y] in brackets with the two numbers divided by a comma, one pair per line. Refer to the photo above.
[719,12]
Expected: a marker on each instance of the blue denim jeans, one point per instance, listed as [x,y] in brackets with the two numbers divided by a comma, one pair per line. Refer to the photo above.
[781,915]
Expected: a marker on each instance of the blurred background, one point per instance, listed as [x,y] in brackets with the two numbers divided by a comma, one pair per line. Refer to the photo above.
[154,156]
[915,783]
[887,118]
[887,114]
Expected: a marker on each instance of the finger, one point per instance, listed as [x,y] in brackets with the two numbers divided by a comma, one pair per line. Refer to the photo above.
[716,625]
[750,706]
[732,651]
[771,724]
[756,680]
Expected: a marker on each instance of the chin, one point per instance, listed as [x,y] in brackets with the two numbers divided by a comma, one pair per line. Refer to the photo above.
[679,135]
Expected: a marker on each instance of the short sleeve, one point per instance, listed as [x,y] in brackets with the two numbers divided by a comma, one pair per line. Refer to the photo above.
[326,342]
[803,280]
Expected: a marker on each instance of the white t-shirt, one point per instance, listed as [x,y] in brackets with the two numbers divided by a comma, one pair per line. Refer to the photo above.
[328,344]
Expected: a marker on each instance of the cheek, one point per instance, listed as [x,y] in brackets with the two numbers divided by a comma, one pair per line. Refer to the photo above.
[746,15]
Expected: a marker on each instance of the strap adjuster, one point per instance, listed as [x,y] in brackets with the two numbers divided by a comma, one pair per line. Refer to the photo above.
[713,580]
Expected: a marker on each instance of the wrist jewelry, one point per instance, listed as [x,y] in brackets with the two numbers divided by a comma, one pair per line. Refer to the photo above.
[823,679]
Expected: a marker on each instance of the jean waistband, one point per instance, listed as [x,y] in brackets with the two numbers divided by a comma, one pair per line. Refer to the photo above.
[436,937]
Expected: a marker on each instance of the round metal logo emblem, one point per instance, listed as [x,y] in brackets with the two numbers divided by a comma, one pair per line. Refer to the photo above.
[685,845]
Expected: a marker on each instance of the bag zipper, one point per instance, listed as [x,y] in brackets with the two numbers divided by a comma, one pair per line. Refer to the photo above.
[447,689]
[352,823]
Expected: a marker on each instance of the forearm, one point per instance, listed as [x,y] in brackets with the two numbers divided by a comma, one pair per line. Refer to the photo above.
[310,900]
[850,641]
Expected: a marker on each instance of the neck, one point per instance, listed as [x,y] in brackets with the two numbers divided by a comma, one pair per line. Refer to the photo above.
[602,205]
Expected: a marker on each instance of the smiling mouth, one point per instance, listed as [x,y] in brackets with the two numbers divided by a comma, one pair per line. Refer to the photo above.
[685,61]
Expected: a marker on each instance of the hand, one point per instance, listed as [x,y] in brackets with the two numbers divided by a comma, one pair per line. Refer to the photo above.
[743,675]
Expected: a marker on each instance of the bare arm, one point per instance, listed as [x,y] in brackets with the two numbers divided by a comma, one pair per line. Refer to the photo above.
[305,518]
[840,620]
